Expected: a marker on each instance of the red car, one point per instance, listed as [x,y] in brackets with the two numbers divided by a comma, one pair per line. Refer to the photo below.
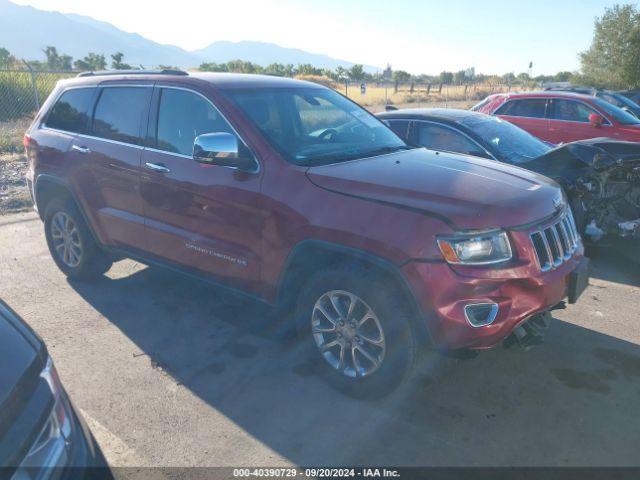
[293,194]
[562,117]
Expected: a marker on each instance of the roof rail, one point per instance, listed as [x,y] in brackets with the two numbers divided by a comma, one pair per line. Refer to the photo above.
[165,71]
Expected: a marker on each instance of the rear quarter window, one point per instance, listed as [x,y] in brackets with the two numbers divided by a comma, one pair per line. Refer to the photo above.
[530,107]
[71,112]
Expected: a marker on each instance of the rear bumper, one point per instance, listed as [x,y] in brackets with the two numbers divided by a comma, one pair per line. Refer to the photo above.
[442,293]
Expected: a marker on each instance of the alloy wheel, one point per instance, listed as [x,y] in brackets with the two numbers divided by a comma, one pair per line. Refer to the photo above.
[66,239]
[348,333]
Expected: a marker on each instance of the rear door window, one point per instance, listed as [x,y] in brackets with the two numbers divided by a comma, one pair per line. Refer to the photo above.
[182,116]
[120,113]
[570,111]
[530,107]
[444,139]
[71,112]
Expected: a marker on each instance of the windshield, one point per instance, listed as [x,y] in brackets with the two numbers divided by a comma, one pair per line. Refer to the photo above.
[619,100]
[314,125]
[622,117]
[505,140]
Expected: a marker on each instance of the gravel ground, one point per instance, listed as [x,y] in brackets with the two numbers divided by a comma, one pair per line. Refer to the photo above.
[171,372]
[14,196]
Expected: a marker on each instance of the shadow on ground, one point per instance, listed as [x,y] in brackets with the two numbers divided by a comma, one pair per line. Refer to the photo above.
[607,264]
[572,401]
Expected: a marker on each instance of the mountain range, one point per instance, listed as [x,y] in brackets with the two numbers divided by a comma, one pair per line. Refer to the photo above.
[25,31]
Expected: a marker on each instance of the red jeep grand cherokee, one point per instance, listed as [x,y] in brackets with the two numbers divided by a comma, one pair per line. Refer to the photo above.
[293,194]
[562,117]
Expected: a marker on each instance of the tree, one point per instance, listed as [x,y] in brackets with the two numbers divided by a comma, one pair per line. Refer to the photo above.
[6,59]
[65,62]
[400,76]
[446,78]
[508,78]
[53,58]
[341,73]
[212,67]
[563,76]
[55,61]
[356,72]
[613,59]
[277,69]
[308,69]
[117,63]
[92,61]
[459,77]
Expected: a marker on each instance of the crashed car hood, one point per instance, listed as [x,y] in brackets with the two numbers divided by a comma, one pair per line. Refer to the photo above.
[470,192]
[586,150]
[567,162]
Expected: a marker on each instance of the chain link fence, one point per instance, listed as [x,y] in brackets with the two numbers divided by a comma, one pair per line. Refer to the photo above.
[22,92]
[376,94]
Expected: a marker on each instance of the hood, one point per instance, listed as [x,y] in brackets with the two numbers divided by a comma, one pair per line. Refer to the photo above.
[569,161]
[20,365]
[468,193]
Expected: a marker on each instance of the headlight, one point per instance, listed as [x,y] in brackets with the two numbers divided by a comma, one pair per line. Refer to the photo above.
[476,249]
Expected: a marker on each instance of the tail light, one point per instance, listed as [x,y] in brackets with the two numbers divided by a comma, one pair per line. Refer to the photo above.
[26,141]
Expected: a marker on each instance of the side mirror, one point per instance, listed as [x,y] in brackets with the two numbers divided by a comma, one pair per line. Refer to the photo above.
[222,149]
[596,120]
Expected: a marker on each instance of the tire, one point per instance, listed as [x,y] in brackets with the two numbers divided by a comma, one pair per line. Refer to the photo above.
[71,243]
[391,316]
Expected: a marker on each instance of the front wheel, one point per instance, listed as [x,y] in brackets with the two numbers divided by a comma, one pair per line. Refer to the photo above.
[358,330]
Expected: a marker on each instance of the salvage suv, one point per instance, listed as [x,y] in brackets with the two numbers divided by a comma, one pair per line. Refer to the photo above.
[293,194]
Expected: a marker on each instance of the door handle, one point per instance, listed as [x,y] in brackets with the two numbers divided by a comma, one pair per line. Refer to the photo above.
[157,167]
[80,149]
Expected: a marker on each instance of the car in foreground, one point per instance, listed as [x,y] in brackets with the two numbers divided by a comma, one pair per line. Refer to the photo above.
[41,435]
[600,176]
[293,194]
[562,117]
[614,98]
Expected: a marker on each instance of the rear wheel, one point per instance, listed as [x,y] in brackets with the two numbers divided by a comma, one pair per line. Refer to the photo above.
[358,331]
[70,242]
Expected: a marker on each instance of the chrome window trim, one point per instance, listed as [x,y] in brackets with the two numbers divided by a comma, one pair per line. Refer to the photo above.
[90,137]
[491,156]
[180,155]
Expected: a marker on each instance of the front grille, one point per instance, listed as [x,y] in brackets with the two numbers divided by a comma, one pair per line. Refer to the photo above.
[555,244]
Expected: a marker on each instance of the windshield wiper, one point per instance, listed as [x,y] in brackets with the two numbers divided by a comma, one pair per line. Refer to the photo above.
[385,150]
[346,156]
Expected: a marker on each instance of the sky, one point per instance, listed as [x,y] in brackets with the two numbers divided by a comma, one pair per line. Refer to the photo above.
[420,36]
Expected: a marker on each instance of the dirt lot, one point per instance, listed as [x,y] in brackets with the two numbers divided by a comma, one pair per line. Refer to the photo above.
[169,371]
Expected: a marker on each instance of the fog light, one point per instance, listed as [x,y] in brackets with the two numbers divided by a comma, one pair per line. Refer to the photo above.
[480,314]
